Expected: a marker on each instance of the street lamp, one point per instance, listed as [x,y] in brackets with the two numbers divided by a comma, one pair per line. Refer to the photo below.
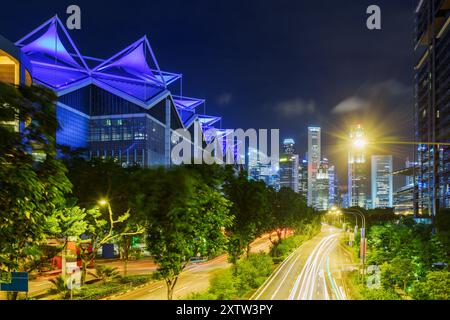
[363,242]
[103,202]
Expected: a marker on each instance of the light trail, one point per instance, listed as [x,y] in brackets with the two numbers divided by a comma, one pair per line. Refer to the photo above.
[304,275]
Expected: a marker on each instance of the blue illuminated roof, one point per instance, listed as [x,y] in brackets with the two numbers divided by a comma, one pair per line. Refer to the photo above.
[186,103]
[56,61]
[133,71]
[208,121]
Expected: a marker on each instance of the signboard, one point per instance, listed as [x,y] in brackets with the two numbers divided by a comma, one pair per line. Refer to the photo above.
[74,280]
[19,283]
[363,248]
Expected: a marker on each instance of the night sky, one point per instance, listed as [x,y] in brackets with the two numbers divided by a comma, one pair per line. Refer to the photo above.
[264,64]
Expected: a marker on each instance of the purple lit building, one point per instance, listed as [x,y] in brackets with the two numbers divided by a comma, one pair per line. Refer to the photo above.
[121,107]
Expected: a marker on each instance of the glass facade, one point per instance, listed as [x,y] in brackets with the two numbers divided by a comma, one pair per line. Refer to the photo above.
[382,182]
[112,127]
[74,128]
[357,171]
[432,105]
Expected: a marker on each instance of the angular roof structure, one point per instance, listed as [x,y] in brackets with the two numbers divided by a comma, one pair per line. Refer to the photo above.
[56,61]
[133,72]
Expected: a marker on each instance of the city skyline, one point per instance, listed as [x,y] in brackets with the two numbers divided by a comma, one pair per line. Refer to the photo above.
[219,71]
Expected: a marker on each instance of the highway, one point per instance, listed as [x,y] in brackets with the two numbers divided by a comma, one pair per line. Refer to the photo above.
[195,278]
[312,272]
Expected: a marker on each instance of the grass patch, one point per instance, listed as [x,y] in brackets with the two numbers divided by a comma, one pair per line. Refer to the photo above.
[100,290]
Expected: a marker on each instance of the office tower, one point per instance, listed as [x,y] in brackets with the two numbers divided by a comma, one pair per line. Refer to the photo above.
[382,182]
[321,192]
[357,168]
[334,198]
[303,178]
[289,171]
[288,146]
[314,157]
[432,105]
[268,173]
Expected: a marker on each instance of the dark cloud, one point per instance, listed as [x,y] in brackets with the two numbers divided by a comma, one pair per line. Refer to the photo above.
[386,95]
[224,99]
[295,107]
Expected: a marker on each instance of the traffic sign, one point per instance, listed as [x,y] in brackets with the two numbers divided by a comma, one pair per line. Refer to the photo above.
[19,283]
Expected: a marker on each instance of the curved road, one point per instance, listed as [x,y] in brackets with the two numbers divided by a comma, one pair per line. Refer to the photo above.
[312,272]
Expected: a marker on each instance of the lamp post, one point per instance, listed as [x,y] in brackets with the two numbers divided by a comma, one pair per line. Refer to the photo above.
[363,241]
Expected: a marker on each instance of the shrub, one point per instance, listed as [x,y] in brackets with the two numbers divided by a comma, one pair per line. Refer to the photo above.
[252,272]
[435,287]
[223,286]
[106,273]
[60,287]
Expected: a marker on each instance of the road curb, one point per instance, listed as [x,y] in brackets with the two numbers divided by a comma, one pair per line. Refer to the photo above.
[125,292]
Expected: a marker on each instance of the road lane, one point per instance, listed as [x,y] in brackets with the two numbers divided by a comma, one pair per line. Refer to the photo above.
[312,272]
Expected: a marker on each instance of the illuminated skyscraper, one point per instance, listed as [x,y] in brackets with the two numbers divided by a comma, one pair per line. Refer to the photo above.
[263,172]
[382,182]
[289,166]
[432,105]
[303,178]
[321,192]
[289,146]
[314,157]
[289,171]
[334,196]
[357,168]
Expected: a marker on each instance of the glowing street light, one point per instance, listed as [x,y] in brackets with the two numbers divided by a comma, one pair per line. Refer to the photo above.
[103,202]
[360,143]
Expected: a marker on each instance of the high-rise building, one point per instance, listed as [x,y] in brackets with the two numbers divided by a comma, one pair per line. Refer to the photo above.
[432,105]
[314,158]
[321,192]
[289,146]
[303,178]
[382,181]
[289,171]
[334,197]
[268,173]
[357,168]
[289,164]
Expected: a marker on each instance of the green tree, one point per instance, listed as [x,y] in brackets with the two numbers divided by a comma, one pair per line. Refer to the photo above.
[101,231]
[185,218]
[63,224]
[33,182]
[250,206]
[435,287]
[97,179]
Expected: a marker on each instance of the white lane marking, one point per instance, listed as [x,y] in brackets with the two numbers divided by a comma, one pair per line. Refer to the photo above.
[312,278]
[269,280]
[307,267]
[153,290]
[181,289]
[299,278]
[285,276]
[307,288]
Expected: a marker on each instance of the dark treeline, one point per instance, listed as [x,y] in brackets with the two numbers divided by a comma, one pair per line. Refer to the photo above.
[181,212]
